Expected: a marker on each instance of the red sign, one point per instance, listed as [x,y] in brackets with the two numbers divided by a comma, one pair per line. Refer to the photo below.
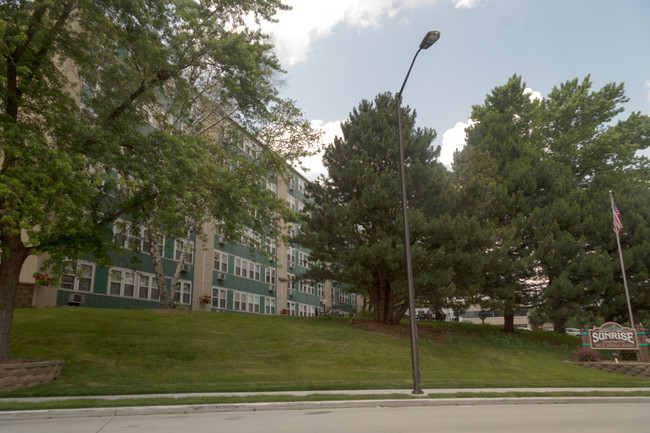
[612,336]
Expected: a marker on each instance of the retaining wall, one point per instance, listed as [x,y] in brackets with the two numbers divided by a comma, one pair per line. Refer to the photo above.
[637,369]
[23,374]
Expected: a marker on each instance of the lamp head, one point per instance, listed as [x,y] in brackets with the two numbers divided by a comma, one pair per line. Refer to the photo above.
[429,39]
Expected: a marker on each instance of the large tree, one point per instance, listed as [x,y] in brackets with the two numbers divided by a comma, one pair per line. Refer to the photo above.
[586,155]
[502,138]
[354,226]
[548,166]
[82,84]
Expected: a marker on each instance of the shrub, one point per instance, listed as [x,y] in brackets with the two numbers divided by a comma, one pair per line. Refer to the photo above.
[587,354]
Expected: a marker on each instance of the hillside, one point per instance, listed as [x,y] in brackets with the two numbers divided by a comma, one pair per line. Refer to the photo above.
[148,351]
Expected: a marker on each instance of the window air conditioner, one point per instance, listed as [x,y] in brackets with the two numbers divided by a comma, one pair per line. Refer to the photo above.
[221,276]
[185,267]
[271,288]
[291,292]
[76,298]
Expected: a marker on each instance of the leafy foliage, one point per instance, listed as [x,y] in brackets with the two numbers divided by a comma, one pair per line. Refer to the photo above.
[107,111]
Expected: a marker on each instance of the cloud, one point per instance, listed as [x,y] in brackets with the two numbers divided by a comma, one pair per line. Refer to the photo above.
[533,94]
[647,85]
[452,140]
[315,163]
[308,21]
[469,4]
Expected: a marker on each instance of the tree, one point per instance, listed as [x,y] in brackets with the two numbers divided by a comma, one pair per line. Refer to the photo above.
[548,166]
[586,156]
[130,67]
[354,226]
[503,137]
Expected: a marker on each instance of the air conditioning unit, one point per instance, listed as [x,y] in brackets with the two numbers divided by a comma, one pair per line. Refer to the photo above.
[221,276]
[291,186]
[291,292]
[291,265]
[185,267]
[322,301]
[76,298]
[271,288]
[222,240]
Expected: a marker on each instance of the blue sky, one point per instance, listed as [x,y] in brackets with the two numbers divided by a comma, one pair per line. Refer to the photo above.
[338,52]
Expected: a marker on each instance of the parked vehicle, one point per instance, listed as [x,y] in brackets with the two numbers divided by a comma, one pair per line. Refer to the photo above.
[573,331]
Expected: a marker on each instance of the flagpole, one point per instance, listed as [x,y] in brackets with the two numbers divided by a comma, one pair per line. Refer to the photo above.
[620,254]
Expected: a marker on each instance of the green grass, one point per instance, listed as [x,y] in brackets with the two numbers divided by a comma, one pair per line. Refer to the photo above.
[146,352]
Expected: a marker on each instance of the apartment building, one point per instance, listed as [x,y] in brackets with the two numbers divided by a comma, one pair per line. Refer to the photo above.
[216,276]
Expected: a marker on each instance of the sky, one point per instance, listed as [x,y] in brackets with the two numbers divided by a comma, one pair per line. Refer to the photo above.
[338,52]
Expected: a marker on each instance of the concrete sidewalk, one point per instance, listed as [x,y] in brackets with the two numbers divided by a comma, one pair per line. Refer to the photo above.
[315,405]
[330,392]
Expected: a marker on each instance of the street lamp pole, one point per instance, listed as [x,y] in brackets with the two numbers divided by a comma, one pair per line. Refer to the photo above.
[429,39]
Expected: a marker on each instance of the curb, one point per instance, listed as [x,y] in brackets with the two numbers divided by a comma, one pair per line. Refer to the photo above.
[313,405]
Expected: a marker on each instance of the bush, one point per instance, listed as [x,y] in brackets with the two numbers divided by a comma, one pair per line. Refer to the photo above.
[587,354]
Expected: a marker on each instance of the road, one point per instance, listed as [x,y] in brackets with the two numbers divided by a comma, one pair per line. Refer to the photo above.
[525,417]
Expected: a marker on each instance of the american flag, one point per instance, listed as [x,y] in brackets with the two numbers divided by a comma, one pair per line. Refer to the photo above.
[618,225]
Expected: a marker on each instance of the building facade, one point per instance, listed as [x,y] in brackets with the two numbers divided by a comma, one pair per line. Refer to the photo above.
[216,275]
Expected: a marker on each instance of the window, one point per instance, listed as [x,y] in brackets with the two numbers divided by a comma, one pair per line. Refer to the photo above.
[292,202]
[291,255]
[251,239]
[320,290]
[78,276]
[127,236]
[291,282]
[301,185]
[253,304]
[220,261]
[219,297]
[269,306]
[121,283]
[270,275]
[183,294]
[271,186]
[247,269]
[270,246]
[291,306]
[178,250]
[241,300]
[303,259]
[148,287]
[146,244]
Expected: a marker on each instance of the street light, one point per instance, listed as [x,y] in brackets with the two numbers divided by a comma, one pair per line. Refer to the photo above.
[429,39]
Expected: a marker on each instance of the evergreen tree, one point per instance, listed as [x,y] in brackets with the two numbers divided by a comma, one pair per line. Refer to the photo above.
[501,156]
[355,224]
[586,156]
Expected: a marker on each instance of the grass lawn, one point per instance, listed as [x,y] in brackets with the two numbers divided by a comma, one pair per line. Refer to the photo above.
[147,351]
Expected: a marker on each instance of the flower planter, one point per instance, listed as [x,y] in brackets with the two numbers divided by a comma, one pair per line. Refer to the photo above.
[19,374]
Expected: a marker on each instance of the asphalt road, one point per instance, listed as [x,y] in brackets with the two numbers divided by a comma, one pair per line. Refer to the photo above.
[528,417]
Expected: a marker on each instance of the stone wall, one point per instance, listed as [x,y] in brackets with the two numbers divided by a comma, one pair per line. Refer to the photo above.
[637,369]
[19,374]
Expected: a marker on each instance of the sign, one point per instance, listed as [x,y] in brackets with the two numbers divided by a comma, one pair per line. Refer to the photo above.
[612,336]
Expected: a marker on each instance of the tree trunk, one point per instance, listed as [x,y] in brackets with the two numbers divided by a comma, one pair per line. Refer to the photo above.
[155,249]
[382,301]
[15,255]
[509,321]
[559,325]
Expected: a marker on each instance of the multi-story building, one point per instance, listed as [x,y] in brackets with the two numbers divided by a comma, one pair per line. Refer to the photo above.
[216,276]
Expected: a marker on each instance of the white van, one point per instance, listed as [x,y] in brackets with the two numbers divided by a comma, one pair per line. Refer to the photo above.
[573,331]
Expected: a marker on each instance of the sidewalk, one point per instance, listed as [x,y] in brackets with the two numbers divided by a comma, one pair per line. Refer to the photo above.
[324,404]
[316,392]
